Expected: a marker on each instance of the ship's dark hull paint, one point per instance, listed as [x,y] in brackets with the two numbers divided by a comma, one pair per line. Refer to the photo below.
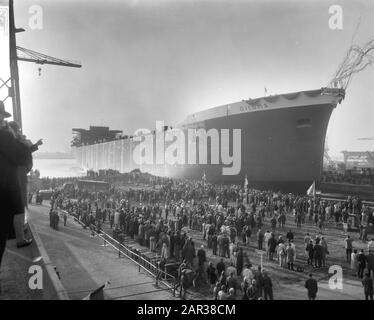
[276,153]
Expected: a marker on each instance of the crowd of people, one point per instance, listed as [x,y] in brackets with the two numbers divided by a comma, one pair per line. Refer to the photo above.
[231,221]
[162,213]
[113,177]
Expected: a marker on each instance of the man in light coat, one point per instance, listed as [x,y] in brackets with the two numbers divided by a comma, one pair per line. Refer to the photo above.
[267,236]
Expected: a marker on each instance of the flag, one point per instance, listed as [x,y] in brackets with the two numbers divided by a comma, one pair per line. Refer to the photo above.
[245,182]
[97,294]
[312,190]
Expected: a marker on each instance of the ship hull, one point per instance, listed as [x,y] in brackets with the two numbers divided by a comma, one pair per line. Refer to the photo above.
[277,153]
[281,147]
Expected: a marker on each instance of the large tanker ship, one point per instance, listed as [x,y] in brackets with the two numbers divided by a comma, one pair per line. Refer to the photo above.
[281,146]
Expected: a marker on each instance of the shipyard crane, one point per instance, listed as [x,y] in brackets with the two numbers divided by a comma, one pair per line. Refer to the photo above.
[328,159]
[326,156]
[356,60]
[24,55]
[40,58]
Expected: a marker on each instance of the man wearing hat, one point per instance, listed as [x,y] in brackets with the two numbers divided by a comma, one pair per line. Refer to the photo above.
[19,218]
[13,154]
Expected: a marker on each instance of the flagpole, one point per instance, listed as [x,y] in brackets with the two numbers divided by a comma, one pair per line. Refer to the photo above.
[246,189]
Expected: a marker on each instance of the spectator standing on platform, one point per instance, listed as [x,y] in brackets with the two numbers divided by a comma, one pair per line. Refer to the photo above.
[12,155]
[312,286]
[22,171]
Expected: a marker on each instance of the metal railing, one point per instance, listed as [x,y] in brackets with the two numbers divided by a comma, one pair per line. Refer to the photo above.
[161,276]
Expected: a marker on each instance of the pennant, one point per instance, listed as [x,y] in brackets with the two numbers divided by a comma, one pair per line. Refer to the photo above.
[312,190]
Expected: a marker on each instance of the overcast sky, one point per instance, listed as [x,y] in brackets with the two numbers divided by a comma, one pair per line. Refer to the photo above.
[148,60]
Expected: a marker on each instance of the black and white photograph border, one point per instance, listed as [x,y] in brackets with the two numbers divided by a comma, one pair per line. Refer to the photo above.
[184,154]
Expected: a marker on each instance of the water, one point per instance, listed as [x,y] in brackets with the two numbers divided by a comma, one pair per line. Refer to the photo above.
[54,168]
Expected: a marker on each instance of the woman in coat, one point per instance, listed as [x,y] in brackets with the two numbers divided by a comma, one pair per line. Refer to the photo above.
[19,218]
